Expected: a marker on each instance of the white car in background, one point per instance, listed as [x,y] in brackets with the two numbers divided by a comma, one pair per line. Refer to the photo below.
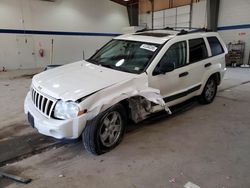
[131,77]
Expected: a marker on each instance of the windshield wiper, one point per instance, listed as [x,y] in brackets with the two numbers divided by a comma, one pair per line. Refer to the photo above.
[123,69]
[107,66]
[92,61]
[116,68]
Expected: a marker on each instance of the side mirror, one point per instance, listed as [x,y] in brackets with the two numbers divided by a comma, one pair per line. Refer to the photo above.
[166,67]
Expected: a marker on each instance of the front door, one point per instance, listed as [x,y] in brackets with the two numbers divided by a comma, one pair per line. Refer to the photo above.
[172,85]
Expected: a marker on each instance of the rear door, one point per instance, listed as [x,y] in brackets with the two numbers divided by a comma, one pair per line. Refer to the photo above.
[198,62]
[217,51]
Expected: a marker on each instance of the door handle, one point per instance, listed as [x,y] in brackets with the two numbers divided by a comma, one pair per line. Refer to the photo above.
[183,74]
[207,65]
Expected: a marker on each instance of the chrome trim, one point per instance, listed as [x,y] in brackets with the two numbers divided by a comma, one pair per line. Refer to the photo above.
[43,104]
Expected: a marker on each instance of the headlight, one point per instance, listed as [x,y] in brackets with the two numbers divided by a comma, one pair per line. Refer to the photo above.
[66,110]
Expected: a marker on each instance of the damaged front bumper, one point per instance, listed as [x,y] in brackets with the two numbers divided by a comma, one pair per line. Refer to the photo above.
[60,129]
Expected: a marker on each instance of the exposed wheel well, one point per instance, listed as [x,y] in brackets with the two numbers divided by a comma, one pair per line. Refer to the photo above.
[125,104]
[137,108]
[217,77]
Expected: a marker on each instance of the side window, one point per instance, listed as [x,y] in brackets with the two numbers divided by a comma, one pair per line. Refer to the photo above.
[215,46]
[177,54]
[197,50]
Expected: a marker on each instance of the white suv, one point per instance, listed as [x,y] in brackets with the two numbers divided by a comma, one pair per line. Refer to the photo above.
[131,77]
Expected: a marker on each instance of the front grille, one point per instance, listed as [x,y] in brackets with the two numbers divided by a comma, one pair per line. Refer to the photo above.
[44,104]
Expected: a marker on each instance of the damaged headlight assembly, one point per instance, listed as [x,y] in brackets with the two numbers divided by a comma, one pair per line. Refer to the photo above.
[66,110]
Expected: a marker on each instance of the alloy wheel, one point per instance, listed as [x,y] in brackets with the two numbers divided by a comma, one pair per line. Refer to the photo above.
[110,129]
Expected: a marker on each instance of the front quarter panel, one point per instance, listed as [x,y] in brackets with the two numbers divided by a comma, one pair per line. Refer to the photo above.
[112,95]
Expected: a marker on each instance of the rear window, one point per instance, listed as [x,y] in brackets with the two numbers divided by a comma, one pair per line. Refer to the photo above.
[197,50]
[215,46]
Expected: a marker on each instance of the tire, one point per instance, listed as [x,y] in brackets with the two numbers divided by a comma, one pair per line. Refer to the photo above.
[103,132]
[209,91]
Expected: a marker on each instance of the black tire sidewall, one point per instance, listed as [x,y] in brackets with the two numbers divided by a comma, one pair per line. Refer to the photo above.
[97,123]
[117,108]
[203,96]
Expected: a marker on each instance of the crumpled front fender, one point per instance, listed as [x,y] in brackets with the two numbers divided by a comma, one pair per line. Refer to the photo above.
[112,95]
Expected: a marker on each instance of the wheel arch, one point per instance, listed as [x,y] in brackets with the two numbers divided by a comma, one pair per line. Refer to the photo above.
[216,75]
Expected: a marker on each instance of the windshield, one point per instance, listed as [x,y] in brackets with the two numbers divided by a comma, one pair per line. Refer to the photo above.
[127,56]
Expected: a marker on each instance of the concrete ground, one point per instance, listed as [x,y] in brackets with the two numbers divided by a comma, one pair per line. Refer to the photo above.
[206,145]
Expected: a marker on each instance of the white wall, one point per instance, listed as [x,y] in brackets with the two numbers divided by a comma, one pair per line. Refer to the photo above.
[174,17]
[233,13]
[199,15]
[94,16]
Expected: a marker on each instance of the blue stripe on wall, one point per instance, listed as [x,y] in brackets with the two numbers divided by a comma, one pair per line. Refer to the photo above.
[233,27]
[36,32]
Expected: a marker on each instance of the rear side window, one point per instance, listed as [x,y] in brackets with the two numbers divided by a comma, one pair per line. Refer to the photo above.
[215,46]
[197,50]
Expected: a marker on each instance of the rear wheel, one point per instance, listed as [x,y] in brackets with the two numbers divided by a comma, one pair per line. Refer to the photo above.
[105,131]
[209,91]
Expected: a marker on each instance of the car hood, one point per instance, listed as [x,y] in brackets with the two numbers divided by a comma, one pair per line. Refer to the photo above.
[77,80]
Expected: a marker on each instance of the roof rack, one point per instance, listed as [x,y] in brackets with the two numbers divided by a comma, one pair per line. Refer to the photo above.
[182,31]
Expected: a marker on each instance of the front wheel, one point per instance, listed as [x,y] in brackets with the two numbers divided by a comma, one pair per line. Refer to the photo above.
[209,91]
[105,131]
